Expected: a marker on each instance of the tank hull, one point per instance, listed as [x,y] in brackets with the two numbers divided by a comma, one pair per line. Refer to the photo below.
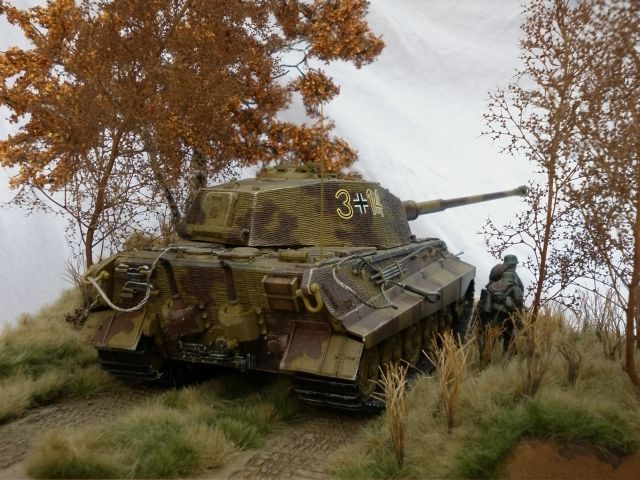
[289,311]
[288,273]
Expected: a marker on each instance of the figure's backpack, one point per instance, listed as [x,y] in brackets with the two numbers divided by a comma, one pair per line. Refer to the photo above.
[501,293]
[499,289]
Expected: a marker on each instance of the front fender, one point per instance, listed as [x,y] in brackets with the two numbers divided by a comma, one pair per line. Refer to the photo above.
[118,330]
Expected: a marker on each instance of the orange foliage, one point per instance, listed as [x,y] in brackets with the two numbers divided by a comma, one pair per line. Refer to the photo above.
[123,92]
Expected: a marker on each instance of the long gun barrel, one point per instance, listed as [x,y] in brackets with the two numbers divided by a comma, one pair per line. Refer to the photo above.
[415,209]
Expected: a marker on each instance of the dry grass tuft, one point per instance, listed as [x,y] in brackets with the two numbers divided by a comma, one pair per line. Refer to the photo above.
[487,343]
[180,433]
[393,379]
[15,397]
[217,448]
[65,454]
[533,343]
[573,359]
[139,240]
[451,360]
[41,359]
[73,274]
[602,312]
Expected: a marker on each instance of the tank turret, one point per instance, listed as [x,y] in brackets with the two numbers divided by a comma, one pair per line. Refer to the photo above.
[282,207]
[317,278]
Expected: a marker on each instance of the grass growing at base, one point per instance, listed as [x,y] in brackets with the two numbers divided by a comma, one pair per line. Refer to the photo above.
[41,359]
[497,435]
[175,434]
[69,456]
[599,407]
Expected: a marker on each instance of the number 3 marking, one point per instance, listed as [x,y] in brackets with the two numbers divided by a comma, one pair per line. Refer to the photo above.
[346,203]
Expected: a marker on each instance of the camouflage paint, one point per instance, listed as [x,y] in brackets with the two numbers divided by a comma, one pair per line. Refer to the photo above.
[277,211]
[314,349]
[294,310]
[118,330]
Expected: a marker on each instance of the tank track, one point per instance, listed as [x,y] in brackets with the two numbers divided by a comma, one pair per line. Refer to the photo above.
[344,394]
[334,393]
[135,364]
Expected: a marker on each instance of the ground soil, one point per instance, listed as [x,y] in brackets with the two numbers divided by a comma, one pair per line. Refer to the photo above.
[301,450]
[297,451]
[537,459]
[17,437]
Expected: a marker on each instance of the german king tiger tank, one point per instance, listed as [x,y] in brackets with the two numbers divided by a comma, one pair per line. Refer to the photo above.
[319,278]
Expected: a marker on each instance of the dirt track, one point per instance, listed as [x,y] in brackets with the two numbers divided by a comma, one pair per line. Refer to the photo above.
[295,451]
[300,451]
[18,436]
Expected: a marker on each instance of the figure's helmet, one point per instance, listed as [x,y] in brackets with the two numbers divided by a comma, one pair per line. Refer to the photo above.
[511,260]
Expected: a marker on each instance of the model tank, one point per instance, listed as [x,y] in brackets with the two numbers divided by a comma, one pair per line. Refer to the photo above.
[319,278]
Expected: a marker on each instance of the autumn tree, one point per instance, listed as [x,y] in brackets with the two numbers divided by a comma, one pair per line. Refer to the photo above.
[581,122]
[607,192]
[535,117]
[125,108]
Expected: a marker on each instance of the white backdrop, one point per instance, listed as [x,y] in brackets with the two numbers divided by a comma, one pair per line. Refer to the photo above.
[415,116]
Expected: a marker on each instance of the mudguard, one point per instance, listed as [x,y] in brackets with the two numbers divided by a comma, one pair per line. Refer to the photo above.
[313,348]
[117,330]
[449,277]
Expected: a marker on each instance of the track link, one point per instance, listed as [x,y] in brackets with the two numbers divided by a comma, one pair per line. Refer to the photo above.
[135,364]
[334,393]
[344,395]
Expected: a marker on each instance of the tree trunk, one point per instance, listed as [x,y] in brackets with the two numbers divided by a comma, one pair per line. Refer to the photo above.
[149,145]
[98,208]
[545,241]
[633,303]
[199,176]
[556,119]
[630,344]
[176,215]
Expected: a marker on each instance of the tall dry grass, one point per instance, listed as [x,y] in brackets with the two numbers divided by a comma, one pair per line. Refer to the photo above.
[600,408]
[451,361]
[74,271]
[572,357]
[601,312]
[487,340]
[393,380]
[534,346]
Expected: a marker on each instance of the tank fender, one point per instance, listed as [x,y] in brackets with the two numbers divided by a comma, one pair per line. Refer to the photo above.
[450,277]
[315,349]
[119,330]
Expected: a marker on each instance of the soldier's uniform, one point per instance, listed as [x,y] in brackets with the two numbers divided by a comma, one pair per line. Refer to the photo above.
[503,297]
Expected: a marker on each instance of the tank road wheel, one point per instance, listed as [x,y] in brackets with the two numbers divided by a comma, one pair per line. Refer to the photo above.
[391,350]
[429,327]
[368,372]
[445,320]
[412,344]
[463,313]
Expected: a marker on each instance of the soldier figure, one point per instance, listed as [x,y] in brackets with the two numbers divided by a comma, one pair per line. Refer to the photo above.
[502,298]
